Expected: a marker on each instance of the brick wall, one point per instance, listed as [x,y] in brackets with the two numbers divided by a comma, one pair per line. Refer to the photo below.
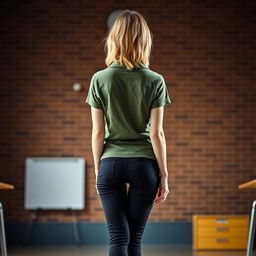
[204,50]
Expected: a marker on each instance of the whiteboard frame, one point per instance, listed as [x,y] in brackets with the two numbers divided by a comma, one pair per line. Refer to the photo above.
[32,204]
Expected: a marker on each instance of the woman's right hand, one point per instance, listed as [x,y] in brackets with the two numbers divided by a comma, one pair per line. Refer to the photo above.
[163,190]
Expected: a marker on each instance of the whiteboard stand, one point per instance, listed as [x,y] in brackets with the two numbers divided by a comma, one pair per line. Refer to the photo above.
[76,233]
[32,219]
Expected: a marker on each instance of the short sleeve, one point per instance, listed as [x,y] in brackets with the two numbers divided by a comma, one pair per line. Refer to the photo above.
[93,98]
[161,94]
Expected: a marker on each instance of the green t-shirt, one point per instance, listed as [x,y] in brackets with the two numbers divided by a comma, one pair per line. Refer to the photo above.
[126,97]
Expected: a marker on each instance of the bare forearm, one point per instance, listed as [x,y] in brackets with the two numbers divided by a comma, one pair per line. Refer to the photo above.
[159,147]
[97,149]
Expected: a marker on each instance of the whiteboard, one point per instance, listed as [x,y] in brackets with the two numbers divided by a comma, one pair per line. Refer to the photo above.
[54,183]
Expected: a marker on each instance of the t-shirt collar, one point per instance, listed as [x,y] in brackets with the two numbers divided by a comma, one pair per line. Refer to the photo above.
[119,65]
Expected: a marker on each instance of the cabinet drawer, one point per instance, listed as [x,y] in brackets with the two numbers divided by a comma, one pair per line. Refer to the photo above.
[228,221]
[222,243]
[227,231]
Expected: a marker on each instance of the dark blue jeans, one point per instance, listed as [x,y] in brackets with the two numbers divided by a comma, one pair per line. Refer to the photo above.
[127,210]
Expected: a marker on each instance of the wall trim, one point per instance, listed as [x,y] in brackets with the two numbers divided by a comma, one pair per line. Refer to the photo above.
[93,233]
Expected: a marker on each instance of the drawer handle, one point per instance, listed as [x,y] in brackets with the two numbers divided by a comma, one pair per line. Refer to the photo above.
[221,220]
[222,240]
[222,228]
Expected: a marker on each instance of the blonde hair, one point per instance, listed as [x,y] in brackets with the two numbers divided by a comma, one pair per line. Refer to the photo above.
[129,40]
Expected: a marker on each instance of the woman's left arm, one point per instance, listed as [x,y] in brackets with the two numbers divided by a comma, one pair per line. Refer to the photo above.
[98,134]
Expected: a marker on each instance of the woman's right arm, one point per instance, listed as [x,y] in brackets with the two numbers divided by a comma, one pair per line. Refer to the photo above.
[158,138]
[159,146]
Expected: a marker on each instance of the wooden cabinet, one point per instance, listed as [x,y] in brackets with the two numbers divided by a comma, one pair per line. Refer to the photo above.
[220,231]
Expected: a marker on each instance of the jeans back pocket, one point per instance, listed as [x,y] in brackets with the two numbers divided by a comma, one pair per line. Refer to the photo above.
[147,172]
[106,174]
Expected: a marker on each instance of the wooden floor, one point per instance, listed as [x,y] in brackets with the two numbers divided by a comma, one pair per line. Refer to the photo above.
[147,250]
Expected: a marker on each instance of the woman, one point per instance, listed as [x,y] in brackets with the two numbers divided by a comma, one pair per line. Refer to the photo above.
[128,140]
